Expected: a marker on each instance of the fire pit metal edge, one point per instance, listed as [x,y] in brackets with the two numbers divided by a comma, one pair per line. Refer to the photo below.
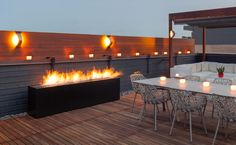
[44,101]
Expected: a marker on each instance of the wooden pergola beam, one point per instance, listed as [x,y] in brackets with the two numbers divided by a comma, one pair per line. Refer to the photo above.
[203,43]
[170,44]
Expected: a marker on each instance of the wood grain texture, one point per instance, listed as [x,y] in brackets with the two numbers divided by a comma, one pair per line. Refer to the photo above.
[110,123]
[59,45]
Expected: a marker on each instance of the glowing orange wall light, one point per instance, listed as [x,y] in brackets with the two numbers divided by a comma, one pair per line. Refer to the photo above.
[17,39]
[107,41]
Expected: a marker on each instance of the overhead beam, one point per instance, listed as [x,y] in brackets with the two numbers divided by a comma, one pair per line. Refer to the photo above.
[170,45]
[203,44]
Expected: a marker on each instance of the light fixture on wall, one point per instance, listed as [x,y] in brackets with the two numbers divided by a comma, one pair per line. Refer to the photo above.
[179,52]
[91,55]
[137,54]
[172,33]
[155,53]
[107,41]
[71,56]
[119,54]
[188,52]
[28,57]
[17,39]
[165,53]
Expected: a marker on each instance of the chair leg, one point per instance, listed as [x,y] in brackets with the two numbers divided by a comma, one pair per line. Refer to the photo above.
[155,116]
[190,126]
[217,128]
[203,122]
[134,101]
[167,106]
[213,110]
[142,112]
[226,129]
[173,122]
[185,118]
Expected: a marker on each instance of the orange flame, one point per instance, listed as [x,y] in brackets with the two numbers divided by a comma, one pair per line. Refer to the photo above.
[53,78]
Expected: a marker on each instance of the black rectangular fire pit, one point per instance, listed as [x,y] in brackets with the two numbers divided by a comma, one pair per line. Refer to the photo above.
[44,101]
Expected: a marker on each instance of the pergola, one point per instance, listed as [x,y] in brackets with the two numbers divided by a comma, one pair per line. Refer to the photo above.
[204,19]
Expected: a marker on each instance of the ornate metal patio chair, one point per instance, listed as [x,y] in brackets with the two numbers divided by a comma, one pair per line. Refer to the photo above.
[225,108]
[134,77]
[221,81]
[187,102]
[155,96]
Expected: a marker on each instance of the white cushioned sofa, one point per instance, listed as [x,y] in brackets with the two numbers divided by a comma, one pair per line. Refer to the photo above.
[205,70]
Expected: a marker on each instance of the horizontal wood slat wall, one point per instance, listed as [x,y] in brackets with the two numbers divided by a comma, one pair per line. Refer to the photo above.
[41,45]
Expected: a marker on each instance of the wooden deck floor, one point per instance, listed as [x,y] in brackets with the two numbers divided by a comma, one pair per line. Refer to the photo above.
[110,123]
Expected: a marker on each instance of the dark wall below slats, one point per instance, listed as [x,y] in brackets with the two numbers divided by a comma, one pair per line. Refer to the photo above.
[14,79]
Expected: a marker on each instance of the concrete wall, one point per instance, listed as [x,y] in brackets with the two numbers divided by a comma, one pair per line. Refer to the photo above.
[16,77]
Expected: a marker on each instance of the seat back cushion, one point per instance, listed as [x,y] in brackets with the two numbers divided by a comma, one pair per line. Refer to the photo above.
[229,68]
[204,66]
[212,66]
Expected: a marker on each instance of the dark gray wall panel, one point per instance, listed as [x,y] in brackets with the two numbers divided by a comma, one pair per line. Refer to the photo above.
[14,79]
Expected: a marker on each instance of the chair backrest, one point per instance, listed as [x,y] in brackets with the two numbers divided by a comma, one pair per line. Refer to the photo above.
[193,78]
[135,77]
[184,100]
[225,107]
[222,81]
[154,94]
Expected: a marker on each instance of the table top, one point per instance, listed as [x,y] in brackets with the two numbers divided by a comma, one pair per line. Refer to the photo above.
[193,86]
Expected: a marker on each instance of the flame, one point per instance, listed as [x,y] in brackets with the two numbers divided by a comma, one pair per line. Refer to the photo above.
[53,78]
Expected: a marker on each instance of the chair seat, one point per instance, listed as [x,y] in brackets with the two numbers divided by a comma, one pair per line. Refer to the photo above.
[155,101]
[231,116]
[189,108]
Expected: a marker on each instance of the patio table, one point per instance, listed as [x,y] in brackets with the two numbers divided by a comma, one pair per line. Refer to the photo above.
[192,86]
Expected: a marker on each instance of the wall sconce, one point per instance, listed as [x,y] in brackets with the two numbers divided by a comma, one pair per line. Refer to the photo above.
[179,52]
[172,34]
[71,56]
[91,55]
[119,54]
[155,53]
[188,52]
[29,57]
[17,39]
[165,53]
[137,54]
[107,41]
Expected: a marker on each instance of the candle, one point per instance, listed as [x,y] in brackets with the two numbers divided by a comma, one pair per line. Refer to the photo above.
[155,53]
[163,78]
[71,56]
[177,75]
[91,55]
[182,81]
[233,87]
[137,54]
[28,57]
[119,54]
[206,84]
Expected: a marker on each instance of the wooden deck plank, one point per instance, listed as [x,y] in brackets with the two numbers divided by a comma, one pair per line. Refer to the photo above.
[110,123]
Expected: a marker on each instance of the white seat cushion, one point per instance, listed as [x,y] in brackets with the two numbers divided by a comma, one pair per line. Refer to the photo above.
[203,75]
[181,70]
